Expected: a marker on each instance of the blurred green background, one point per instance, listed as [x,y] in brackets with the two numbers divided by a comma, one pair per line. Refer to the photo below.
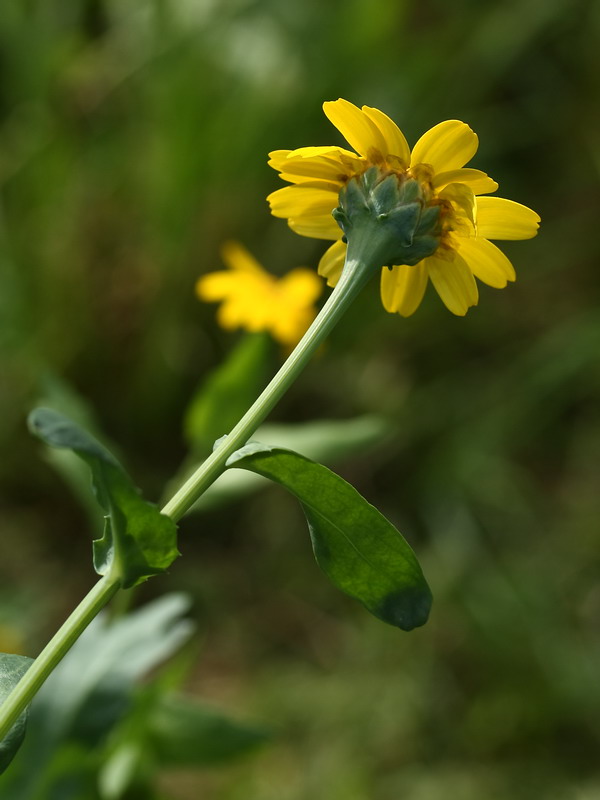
[133,142]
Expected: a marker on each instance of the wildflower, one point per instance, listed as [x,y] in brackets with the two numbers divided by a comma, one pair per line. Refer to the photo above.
[437,222]
[252,299]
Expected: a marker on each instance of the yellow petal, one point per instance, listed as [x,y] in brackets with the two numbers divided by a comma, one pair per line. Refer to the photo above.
[402,288]
[356,127]
[289,329]
[448,145]
[256,310]
[299,170]
[214,286]
[332,262]
[277,158]
[486,262]
[463,203]
[454,282]
[396,144]
[303,199]
[235,256]
[230,315]
[475,179]
[329,151]
[306,163]
[498,218]
[323,227]
[300,287]
[296,178]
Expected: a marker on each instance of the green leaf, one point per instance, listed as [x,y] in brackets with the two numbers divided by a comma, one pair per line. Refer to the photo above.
[56,393]
[360,551]
[185,733]
[167,729]
[227,392]
[125,775]
[138,540]
[324,440]
[12,669]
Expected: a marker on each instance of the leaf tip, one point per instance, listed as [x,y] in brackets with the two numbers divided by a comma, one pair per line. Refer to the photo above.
[407,608]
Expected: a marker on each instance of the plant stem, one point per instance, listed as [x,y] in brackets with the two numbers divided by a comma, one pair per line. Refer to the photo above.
[363,256]
[62,641]
[356,273]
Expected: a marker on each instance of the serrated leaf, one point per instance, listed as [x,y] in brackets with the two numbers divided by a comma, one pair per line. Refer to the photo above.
[12,669]
[360,551]
[138,541]
[185,733]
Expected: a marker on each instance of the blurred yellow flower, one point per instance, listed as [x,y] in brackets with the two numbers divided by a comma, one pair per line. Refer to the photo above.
[467,221]
[253,299]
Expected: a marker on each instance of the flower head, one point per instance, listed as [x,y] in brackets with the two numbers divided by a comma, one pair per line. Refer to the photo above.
[437,218]
[252,299]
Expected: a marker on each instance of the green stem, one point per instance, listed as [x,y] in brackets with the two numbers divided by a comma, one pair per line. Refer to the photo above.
[20,697]
[357,271]
[364,255]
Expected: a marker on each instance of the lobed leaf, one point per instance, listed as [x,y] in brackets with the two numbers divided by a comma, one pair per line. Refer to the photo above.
[12,669]
[360,551]
[138,541]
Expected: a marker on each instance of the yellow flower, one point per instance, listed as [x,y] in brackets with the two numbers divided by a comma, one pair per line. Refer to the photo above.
[252,299]
[466,220]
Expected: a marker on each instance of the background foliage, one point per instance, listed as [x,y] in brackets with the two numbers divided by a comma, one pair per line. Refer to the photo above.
[133,141]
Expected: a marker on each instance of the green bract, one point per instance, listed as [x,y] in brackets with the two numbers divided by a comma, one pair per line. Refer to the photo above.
[360,551]
[394,212]
[138,540]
